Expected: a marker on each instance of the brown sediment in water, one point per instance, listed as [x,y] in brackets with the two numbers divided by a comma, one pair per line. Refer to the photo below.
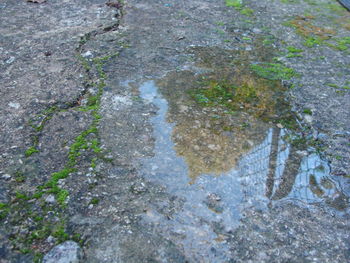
[212,136]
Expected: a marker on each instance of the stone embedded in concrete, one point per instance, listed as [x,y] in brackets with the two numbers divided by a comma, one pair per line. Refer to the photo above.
[67,252]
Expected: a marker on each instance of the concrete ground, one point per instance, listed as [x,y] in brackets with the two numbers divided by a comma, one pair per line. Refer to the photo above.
[175,131]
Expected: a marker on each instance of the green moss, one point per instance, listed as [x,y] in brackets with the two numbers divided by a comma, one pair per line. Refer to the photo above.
[273,71]
[238,5]
[99,62]
[38,257]
[84,39]
[313,34]
[31,150]
[342,43]
[20,195]
[244,125]
[20,210]
[94,201]
[268,41]
[234,3]
[81,142]
[25,250]
[93,163]
[299,142]
[4,210]
[333,85]
[307,111]
[312,41]
[247,11]
[96,115]
[292,49]
[288,122]
[232,98]
[40,233]
[93,100]
[338,157]
[50,110]
[38,218]
[38,194]
[293,52]
[95,146]
[55,177]
[43,117]
[338,87]
[84,62]
[60,234]
[62,196]
[290,55]
[19,177]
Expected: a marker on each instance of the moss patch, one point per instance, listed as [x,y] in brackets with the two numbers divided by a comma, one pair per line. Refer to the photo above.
[31,210]
[273,71]
[316,31]
[31,150]
[341,44]
[239,6]
[293,52]
[234,3]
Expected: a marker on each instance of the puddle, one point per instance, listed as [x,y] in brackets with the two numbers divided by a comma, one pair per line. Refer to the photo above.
[223,161]
[253,163]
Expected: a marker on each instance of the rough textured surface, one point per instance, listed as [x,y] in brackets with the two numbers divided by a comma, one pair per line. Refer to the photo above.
[67,252]
[102,142]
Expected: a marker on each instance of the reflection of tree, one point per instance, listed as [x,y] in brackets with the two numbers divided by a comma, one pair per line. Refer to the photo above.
[290,172]
[213,145]
[281,186]
[212,141]
[209,140]
[272,162]
[205,152]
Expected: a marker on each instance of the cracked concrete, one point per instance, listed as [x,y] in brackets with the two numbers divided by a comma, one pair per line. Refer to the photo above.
[134,199]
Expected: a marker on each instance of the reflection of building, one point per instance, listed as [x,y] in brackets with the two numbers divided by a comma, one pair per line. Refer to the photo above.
[276,170]
[254,167]
[215,143]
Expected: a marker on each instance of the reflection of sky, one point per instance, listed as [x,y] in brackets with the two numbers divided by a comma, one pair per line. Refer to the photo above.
[312,165]
[172,171]
[241,188]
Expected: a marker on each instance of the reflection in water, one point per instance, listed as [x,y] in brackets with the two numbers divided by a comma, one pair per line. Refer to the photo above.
[221,167]
[211,140]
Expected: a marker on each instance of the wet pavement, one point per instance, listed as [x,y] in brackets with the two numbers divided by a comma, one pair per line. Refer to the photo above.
[176,131]
[241,170]
[223,174]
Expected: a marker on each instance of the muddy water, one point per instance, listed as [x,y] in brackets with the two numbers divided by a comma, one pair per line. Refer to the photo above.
[223,161]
